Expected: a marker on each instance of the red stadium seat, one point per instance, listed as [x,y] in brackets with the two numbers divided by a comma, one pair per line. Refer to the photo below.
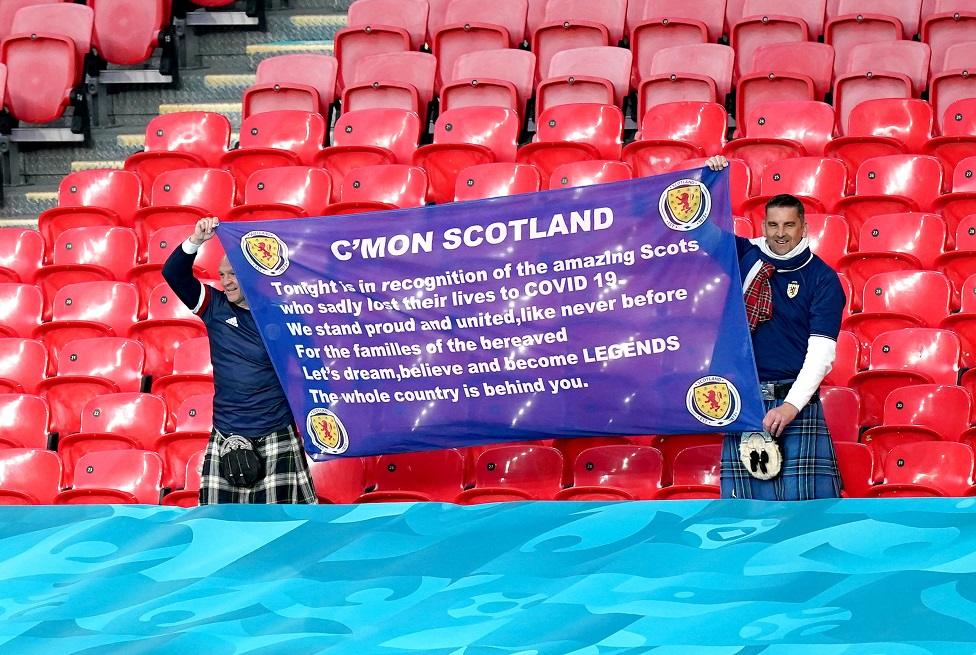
[577,24]
[577,67]
[44,55]
[21,306]
[701,72]
[570,448]
[755,89]
[946,28]
[93,197]
[856,466]
[829,236]
[300,82]
[395,80]
[674,132]
[810,14]
[586,173]
[906,12]
[883,126]
[568,133]
[192,376]
[510,14]
[10,7]
[696,473]
[24,421]
[491,78]
[387,185]
[927,469]
[496,179]
[369,137]
[516,472]
[21,254]
[672,445]
[903,357]
[193,423]
[960,264]
[964,323]
[436,475]
[806,58]
[650,36]
[848,31]
[615,472]
[456,38]
[947,90]
[841,408]
[116,477]
[710,13]
[127,31]
[909,58]
[190,139]
[273,139]
[465,137]
[818,182]
[895,242]
[23,364]
[339,481]
[169,323]
[356,42]
[853,88]
[189,495]
[182,197]
[285,192]
[958,141]
[407,15]
[29,476]
[846,360]
[755,30]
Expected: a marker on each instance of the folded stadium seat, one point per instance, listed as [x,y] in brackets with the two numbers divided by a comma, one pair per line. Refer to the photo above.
[568,133]
[697,473]
[410,16]
[615,472]
[958,129]
[29,476]
[490,78]
[515,472]
[577,24]
[757,29]
[892,184]
[369,137]
[24,421]
[458,36]
[92,197]
[189,495]
[671,445]
[810,14]
[899,299]
[9,8]
[879,127]
[465,137]
[192,375]
[87,254]
[943,468]
[397,80]
[495,180]
[964,322]
[162,242]
[802,59]
[114,477]
[86,310]
[895,242]
[273,139]
[570,448]
[88,368]
[954,22]
[701,72]
[856,465]
[45,59]
[338,481]
[906,12]
[853,88]
[959,264]
[168,324]
[919,413]
[376,188]
[848,31]
[193,423]
[740,180]
[436,475]
[127,31]
[114,421]
[910,58]
[352,44]
[674,132]
[510,14]
[587,173]
[903,357]
[23,364]
[300,82]
[599,74]
[709,13]
[829,236]
[187,139]
[21,306]
[846,360]
[818,182]
[285,192]
[21,254]
[649,36]
[841,408]
[184,196]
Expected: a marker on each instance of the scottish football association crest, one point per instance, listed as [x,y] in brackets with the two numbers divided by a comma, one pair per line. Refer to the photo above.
[792,289]
[265,252]
[685,205]
[326,431]
[714,401]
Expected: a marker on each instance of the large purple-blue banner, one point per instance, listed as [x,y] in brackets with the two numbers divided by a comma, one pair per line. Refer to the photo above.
[605,310]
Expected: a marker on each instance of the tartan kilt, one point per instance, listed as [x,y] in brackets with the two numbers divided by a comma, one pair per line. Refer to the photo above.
[286,475]
[809,465]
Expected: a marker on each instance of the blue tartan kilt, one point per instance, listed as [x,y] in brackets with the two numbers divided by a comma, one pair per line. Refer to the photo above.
[809,466]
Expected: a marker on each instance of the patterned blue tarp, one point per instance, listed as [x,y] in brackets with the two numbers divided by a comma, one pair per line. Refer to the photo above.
[883,576]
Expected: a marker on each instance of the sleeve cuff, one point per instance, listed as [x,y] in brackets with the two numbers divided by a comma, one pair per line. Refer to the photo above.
[190,248]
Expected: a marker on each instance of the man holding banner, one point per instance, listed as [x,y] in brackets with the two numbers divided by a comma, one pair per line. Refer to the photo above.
[794,303]
[254,454]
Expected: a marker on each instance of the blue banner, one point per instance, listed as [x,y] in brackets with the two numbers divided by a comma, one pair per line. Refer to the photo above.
[605,310]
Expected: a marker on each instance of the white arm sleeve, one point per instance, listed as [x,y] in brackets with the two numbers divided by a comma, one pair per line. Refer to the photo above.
[816,365]
[191,248]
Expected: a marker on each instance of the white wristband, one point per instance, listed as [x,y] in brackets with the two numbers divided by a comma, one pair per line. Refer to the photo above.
[191,248]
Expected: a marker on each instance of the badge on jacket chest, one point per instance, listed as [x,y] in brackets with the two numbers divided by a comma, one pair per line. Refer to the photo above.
[792,289]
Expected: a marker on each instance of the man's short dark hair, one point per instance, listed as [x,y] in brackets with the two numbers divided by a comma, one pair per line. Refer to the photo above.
[786,201]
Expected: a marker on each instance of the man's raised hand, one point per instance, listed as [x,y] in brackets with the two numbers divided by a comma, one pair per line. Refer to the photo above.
[204,230]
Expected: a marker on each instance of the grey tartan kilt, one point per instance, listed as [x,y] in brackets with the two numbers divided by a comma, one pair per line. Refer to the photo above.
[286,478]
[809,465]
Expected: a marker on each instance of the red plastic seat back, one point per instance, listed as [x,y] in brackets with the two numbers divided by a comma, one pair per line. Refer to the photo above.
[8,8]
[73,21]
[907,119]
[811,13]
[701,123]
[410,15]
[829,236]
[535,469]
[126,31]
[922,235]
[964,176]
[696,465]
[195,414]
[598,125]
[924,294]
[709,12]
[395,184]
[608,62]
[24,421]
[708,59]
[496,128]
[21,307]
[21,251]
[113,358]
[510,14]
[942,407]
[141,416]
[112,303]
[909,58]
[635,469]
[111,247]
[856,464]
[515,66]
[924,350]
[24,361]
[815,177]
[943,465]
[316,71]
[34,472]
[211,189]
[807,122]
[914,176]
[394,129]
[193,357]
[299,186]
[436,473]
[119,191]
[341,480]
[906,11]
[586,173]
[163,304]
[610,13]
[138,472]
[841,408]
[959,118]
[815,60]
[300,132]
[496,179]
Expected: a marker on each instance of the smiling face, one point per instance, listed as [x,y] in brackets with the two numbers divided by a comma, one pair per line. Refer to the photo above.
[228,280]
[784,228]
